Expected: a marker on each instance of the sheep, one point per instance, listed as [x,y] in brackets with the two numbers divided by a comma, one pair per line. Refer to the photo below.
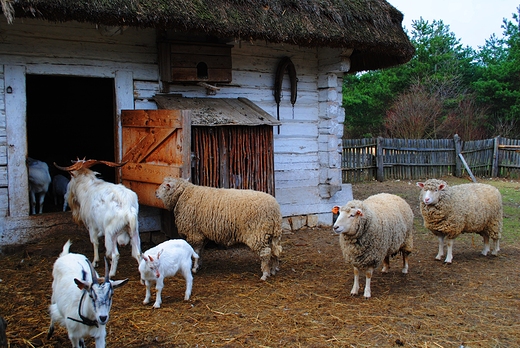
[448,211]
[79,302]
[60,186]
[226,217]
[165,260]
[39,181]
[373,230]
[105,209]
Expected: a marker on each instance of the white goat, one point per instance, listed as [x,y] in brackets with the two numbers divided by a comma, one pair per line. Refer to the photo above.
[39,181]
[165,260]
[60,186]
[79,302]
[105,209]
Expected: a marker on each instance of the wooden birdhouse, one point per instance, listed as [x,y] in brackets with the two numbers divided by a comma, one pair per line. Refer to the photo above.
[181,62]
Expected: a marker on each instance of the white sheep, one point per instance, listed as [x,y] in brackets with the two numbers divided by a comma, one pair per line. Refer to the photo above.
[226,217]
[60,186]
[39,181]
[448,211]
[106,209]
[79,301]
[166,260]
[373,230]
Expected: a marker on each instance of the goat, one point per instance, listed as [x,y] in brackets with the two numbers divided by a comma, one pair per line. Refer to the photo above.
[105,209]
[60,186]
[74,278]
[39,181]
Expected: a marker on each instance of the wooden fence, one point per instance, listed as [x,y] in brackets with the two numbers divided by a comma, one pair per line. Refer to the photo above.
[401,159]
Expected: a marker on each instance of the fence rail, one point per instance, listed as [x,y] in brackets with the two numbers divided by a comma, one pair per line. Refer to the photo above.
[392,159]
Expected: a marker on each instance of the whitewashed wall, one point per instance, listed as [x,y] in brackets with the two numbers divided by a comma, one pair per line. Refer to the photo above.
[307,148]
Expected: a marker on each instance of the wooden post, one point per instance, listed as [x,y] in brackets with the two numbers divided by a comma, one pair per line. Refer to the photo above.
[380,176]
[458,150]
[494,165]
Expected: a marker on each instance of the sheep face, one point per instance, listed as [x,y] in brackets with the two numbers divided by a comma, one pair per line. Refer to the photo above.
[431,191]
[348,219]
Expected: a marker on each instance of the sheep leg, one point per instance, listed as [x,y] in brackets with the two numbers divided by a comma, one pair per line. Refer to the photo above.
[449,253]
[441,248]
[159,285]
[265,258]
[148,295]
[405,261]
[386,264]
[486,249]
[496,247]
[368,275]
[355,287]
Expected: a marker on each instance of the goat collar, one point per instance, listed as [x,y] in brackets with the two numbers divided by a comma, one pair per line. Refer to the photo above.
[84,320]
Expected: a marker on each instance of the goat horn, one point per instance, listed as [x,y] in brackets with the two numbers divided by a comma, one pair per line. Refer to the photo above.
[92,272]
[87,164]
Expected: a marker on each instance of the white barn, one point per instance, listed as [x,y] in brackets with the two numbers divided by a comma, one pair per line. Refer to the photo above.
[68,69]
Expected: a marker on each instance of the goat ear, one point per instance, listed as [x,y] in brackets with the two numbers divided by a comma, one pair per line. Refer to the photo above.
[159,253]
[150,257]
[144,257]
[82,285]
[118,283]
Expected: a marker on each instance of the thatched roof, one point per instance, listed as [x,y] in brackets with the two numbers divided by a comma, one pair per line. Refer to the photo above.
[371,27]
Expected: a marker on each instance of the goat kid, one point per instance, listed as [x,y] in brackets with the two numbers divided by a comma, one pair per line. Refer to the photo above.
[105,209]
[165,260]
[79,302]
[60,185]
[39,181]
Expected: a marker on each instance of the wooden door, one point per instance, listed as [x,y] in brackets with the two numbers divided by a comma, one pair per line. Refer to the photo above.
[156,144]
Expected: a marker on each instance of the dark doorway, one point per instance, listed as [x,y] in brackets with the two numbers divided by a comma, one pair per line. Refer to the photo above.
[69,118]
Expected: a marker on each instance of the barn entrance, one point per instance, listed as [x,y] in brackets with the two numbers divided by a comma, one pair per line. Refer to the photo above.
[70,117]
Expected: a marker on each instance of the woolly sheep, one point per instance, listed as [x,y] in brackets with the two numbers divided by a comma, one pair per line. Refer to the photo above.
[227,217]
[448,211]
[373,230]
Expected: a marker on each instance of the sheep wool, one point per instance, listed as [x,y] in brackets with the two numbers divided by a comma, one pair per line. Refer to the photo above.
[226,217]
[373,230]
[448,211]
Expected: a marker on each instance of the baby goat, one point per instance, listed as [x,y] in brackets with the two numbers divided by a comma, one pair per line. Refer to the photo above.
[165,260]
[79,302]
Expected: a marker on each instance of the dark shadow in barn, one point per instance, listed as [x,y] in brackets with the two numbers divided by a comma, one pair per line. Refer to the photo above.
[69,118]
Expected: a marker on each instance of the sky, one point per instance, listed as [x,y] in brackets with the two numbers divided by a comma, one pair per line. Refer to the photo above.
[472,21]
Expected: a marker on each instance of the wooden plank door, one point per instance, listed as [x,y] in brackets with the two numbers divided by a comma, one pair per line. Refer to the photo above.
[156,144]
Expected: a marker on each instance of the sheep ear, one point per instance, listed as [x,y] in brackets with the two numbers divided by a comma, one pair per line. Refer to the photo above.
[420,184]
[359,212]
[442,186]
[82,285]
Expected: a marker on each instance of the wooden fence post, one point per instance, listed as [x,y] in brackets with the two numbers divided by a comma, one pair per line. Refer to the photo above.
[494,165]
[380,176]
[458,150]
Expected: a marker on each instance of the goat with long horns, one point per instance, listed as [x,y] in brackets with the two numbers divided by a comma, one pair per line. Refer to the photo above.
[105,209]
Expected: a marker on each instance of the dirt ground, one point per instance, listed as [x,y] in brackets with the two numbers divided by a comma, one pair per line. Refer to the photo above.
[474,302]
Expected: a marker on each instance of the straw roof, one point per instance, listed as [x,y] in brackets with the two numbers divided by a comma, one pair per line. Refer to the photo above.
[372,28]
